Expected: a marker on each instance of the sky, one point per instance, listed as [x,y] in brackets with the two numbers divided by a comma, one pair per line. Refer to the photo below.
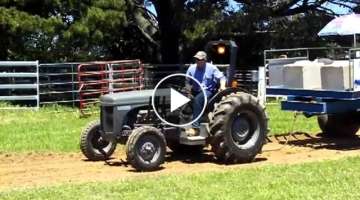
[337,9]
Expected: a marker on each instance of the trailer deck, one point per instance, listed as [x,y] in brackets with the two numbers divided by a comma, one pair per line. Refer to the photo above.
[315,102]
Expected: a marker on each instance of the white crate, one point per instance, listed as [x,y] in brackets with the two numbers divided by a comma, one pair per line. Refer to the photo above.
[356,74]
[336,76]
[276,69]
[302,75]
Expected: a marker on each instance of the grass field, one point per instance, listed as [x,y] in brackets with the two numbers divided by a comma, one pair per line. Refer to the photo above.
[57,129]
[283,122]
[49,129]
[324,180]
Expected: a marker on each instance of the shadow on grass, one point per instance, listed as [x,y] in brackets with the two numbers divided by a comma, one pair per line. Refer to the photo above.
[191,157]
[117,163]
[197,157]
[200,157]
[139,171]
[88,160]
[319,141]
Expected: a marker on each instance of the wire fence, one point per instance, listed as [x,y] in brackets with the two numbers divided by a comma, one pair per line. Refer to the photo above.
[246,79]
[58,84]
[79,84]
[99,78]
[75,84]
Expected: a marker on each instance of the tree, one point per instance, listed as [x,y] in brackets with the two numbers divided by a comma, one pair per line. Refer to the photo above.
[72,30]
[281,8]
[77,30]
[169,17]
[183,21]
[19,30]
[179,20]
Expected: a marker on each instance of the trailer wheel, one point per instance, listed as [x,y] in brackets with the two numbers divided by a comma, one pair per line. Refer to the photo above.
[146,148]
[341,125]
[93,146]
[238,127]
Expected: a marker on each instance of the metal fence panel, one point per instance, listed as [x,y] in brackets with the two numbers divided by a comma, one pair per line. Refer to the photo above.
[98,78]
[59,83]
[20,82]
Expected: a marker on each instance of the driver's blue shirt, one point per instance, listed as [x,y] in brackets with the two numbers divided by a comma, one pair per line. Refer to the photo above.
[208,76]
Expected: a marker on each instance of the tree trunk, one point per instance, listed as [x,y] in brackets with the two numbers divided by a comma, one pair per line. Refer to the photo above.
[169,17]
[4,43]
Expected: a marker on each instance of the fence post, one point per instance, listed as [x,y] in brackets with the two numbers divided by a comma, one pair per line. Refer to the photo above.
[262,85]
[37,86]
[111,78]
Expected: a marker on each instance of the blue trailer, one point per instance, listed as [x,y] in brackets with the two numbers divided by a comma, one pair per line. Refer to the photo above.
[337,110]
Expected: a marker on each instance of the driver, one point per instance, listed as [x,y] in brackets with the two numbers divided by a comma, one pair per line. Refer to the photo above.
[209,76]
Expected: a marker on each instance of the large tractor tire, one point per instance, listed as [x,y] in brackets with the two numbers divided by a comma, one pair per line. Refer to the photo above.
[238,127]
[341,125]
[146,148]
[93,146]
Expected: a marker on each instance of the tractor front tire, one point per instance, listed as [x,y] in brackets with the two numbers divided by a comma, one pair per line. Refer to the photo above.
[93,146]
[238,127]
[146,148]
[340,125]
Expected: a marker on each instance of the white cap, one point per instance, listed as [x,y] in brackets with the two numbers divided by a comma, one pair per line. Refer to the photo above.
[201,55]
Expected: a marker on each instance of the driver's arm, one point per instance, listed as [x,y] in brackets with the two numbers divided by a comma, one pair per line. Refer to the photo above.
[188,87]
[188,83]
[222,84]
[220,76]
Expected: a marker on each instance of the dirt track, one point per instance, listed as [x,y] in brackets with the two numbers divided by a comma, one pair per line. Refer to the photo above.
[31,170]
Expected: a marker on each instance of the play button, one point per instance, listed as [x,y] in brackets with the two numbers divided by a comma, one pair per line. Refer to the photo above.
[177,100]
[171,102]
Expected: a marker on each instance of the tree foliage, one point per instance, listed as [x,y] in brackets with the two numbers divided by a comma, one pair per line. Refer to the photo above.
[69,30]
[79,30]
[255,24]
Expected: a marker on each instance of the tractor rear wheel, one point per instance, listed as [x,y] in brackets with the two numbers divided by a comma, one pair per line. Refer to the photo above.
[340,125]
[93,146]
[146,148]
[238,127]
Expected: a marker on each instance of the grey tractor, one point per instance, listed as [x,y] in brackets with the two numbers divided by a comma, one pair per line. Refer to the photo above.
[234,126]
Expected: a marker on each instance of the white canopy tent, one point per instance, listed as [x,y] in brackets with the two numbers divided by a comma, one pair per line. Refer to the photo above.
[343,25]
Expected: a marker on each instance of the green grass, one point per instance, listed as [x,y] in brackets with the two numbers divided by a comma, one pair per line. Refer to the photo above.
[324,180]
[281,122]
[57,129]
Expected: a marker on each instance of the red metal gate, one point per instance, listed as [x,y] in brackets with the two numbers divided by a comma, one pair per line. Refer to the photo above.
[98,78]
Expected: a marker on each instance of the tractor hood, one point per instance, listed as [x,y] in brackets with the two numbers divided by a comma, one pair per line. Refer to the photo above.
[138,97]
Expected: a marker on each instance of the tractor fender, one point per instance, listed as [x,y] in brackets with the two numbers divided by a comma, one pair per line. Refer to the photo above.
[218,96]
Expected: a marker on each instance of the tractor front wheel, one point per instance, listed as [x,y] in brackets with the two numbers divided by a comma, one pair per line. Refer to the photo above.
[146,148]
[93,146]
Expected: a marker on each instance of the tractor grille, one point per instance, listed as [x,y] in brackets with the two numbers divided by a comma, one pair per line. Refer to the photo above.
[107,118]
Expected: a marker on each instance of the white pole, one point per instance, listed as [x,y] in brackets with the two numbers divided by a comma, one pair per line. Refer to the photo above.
[262,85]
[37,86]
[355,40]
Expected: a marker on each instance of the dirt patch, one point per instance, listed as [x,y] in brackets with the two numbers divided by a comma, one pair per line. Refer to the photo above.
[32,170]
